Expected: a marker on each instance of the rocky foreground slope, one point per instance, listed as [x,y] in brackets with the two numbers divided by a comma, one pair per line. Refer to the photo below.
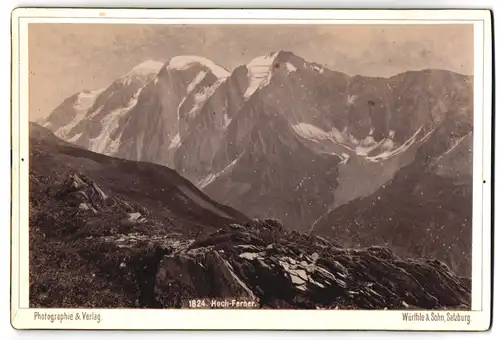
[107,232]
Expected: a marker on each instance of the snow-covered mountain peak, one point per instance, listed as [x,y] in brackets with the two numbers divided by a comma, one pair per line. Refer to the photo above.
[147,67]
[184,62]
[260,69]
[259,73]
[144,71]
[265,61]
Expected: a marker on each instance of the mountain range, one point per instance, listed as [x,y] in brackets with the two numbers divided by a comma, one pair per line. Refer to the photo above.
[360,159]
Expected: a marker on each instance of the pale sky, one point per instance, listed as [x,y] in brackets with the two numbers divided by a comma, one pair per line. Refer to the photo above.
[67,58]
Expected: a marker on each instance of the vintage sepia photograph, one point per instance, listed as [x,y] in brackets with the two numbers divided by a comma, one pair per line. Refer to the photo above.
[254,166]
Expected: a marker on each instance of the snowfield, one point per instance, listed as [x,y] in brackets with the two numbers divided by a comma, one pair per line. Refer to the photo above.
[259,73]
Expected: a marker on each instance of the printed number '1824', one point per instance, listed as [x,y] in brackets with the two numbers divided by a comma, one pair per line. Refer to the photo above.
[197,303]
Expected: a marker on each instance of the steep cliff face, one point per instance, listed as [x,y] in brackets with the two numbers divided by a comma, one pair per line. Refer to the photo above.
[152,131]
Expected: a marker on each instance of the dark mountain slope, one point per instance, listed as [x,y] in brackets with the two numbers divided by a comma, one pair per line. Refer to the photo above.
[287,180]
[77,195]
[372,127]
[417,214]
[163,188]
